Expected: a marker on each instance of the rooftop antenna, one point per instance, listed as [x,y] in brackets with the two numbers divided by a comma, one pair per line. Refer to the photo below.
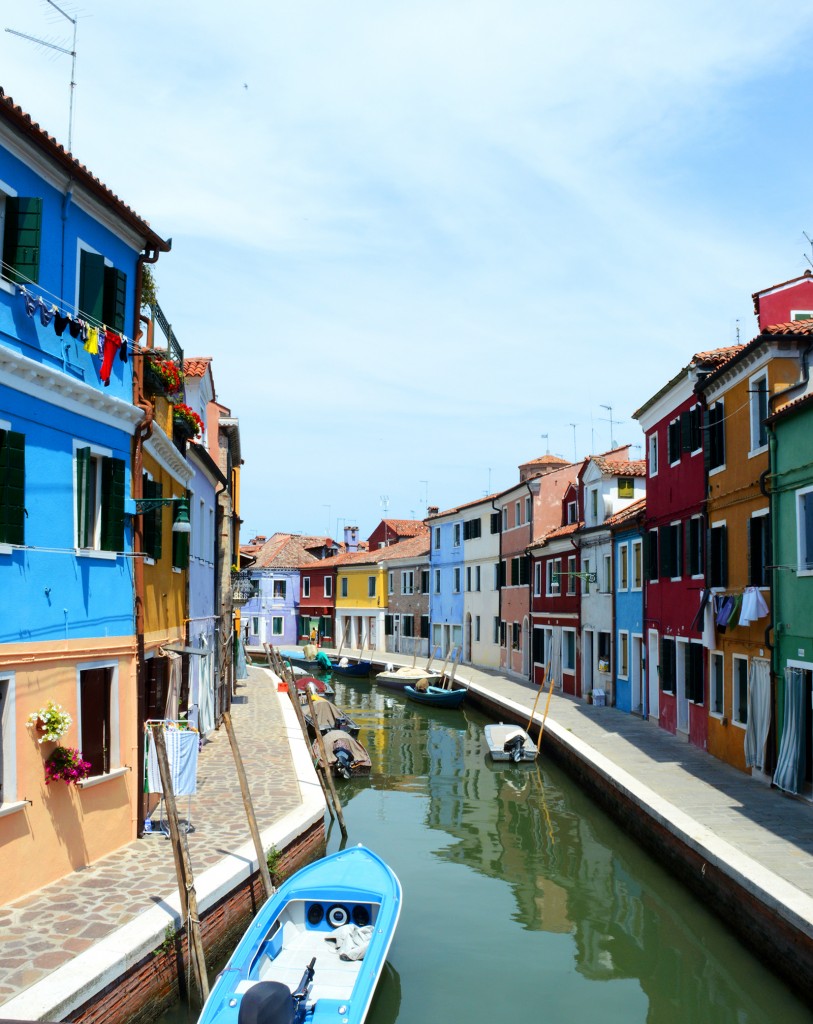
[547,445]
[737,322]
[385,503]
[327,531]
[425,492]
[575,456]
[60,49]
[609,409]
[810,243]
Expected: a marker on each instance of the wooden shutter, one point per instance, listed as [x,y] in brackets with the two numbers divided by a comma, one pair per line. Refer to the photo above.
[112,504]
[21,239]
[12,487]
[388,625]
[496,522]
[84,517]
[665,538]
[180,550]
[91,285]
[424,627]
[114,298]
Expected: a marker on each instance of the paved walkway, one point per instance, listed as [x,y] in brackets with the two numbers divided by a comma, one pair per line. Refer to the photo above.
[762,835]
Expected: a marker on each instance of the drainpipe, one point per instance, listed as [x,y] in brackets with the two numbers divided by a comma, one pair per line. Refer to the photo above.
[534,486]
[499,571]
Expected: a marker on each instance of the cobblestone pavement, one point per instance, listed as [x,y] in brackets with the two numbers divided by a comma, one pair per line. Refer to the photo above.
[45,929]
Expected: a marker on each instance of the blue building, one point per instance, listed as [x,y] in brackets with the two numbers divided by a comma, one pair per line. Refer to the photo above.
[628,605]
[72,254]
[271,615]
[446,580]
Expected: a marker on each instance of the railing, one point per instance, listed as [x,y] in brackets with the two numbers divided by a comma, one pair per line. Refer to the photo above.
[243,587]
[175,350]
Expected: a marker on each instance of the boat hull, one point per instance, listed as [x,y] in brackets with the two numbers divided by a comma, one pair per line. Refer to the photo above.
[501,748]
[290,930]
[436,696]
[399,679]
[356,670]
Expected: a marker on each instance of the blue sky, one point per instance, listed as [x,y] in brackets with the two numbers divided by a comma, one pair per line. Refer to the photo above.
[417,237]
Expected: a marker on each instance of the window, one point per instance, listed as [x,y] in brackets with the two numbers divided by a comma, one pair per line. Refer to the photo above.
[8,737]
[572,512]
[437,537]
[504,518]
[608,574]
[424,627]
[306,586]
[569,651]
[276,625]
[95,704]
[571,575]
[472,529]
[716,690]
[695,430]
[371,586]
[503,573]
[718,555]
[623,654]
[694,546]
[102,290]
[477,629]
[151,525]
[801,314]
[279,589]
[637,565]
[653,455]
[515,635]
[180,544]
[100,502]
[388,627]
[20,229]
[528,509]
[502,633]
[623,567]
[424,581]
[12,487]
[593,506]
[693,671]
[537,579]
[515,571]
[477,578]
[407,625]
[670,536]
[553,569]
[517,513]
[604,641]
[408,581]
[652,556]
[468,579]
[456,534]
[457,579]
[758,550]
[673,441]
[758,401]
[804,530]
[328,586]
[715,436]
[496,522]
[668,664]
[344,586]
[390,583]
[626,487]
[496,638]
[586,569]
[739,709]
[255,625]
[437,581]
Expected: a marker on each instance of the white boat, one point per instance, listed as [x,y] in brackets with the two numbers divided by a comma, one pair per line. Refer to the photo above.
[406,675]
[509,743]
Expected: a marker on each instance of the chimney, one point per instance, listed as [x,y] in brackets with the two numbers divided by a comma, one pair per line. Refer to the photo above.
[351,538]
[432,510]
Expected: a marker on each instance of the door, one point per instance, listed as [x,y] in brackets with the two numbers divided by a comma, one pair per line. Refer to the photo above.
[653,676]
[396,633]
[681,653]
[587,662]
[636,674]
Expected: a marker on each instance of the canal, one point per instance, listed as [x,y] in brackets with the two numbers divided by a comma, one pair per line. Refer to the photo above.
[523,901]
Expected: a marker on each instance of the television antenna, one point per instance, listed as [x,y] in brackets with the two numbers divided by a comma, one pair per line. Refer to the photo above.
[575,456]
[60,49]
[810,243]
[546,438]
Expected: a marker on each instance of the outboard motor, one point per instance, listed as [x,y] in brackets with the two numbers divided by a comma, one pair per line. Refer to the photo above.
[513,746]
[267,1002]
[344,761]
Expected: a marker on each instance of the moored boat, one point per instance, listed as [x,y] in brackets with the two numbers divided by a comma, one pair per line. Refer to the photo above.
[345,755]
[329,717]
[436,696]
[316,949]
[354,669]
[509,743]
[399,678]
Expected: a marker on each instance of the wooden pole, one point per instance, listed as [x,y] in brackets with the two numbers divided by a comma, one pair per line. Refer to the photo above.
[545,716]
[248,805]
[326,767]
[536,701]
[183,868]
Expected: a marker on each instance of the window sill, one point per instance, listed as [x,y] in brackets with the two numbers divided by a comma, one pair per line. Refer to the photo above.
[94,780]
[7,286]
[104,556]
[716,469]
[757,451]
[740,725]
[17,805]
[6,549]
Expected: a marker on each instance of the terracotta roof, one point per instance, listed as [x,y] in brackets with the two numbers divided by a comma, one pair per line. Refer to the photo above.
[793,327]
[702,362]
[716,356]
[47,143]
[405,527]
[413,547]
[283,551]
[196,366]
[470,504]
[560,531]
[633,510]
[791,407]
[624,467]
[547,460]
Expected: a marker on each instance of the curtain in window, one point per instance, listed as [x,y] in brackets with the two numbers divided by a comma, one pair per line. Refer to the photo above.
[174,686]
[759,713]
[790,769]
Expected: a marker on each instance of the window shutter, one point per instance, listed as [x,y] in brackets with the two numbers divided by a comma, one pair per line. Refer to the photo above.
[808,532]
[153,545]
[21,239]
[91,285]
[496,522]
[113,504]
[114,298]
[665,536]
[388,625]
[424,627]
[12,487]
[83,516]
[723,556]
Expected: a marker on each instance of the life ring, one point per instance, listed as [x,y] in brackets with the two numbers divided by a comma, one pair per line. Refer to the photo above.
[337,916]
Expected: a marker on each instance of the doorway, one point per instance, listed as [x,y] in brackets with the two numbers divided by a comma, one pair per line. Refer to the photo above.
[636,674]
[652,677]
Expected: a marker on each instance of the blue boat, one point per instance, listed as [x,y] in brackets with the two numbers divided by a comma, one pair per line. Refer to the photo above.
[316,949]
[354,669]
[436,696]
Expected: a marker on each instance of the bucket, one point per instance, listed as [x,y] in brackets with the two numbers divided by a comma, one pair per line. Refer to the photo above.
[282,687]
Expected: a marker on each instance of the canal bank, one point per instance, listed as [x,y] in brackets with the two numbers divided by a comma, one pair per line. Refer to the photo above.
[746,850]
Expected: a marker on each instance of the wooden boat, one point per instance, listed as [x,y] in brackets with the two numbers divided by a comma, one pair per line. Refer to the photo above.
[353,669]
[328,718]
[317,686]
[345,755]
[436,696]
[307,657]
[509,743]
[399,678]
[296,963]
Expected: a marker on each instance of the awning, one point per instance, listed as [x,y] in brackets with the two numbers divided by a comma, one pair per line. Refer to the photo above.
[180,649]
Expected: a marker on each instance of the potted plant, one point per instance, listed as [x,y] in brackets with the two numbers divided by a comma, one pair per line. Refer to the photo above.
[186,421]
[51,722]
[66,765]
[162,376]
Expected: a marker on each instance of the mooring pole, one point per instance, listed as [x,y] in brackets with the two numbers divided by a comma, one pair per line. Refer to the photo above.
[325,766]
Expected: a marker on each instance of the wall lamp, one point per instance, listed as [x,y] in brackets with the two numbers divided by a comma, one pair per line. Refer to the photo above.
[181,524]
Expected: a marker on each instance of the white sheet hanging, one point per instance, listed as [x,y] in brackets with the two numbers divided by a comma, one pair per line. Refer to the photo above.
[182,754]
[206,708]
[759,713]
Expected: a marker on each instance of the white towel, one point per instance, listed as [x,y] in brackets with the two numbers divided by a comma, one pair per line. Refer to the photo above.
[182,754]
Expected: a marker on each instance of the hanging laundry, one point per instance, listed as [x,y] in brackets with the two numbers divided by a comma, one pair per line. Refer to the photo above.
[123,349]
[46,313]
[724,611]
[75,327]
[60,323]
[112,343]
[92,341]
[753,606]
[709,635]
[30,302]
[734,618]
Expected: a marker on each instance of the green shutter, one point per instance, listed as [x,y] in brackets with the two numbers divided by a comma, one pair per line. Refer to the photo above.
[91,286]
[84,517]
[115,295]
[21,239]
[112,504]
[12,487]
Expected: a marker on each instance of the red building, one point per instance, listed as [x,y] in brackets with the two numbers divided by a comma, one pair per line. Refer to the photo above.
[390,531]
[791,300]
[675,531]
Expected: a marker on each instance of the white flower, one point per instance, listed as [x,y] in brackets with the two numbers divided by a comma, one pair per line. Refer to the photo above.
[53,719]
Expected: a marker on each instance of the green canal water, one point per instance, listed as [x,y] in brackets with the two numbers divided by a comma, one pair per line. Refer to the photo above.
[522,900]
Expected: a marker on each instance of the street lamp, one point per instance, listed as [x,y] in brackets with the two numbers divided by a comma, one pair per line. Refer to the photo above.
[181,524]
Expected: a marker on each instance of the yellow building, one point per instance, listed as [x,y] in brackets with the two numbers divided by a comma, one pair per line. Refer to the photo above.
[362,599]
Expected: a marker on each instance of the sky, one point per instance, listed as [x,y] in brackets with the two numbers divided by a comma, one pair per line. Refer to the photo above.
[425,242]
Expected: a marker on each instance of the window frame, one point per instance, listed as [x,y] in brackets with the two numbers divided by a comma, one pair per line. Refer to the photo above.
[327,586]
[569,651]
[652,454]
[636,566]
[407,581]
[279,589]
[102,461]
[736,661]
[277,619]
[622,666]
[716,658]
[306,586]
[804,543]
[372,586]
[757,412]
[113,757]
